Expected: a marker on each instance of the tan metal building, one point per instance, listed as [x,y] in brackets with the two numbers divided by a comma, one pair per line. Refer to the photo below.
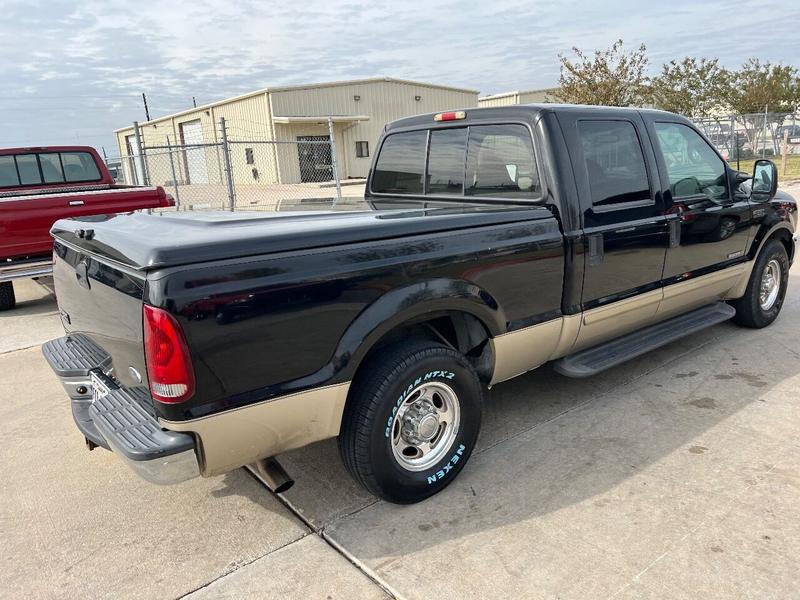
[296,115]
[509,98]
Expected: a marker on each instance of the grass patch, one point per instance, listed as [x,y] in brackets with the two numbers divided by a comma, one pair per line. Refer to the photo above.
[792,166]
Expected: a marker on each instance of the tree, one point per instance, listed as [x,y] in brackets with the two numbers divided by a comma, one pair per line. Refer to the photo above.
[756,86]
[691,87]
[763,88]
[609,77]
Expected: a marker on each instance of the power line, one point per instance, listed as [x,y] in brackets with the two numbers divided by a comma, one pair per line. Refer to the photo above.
[35,96]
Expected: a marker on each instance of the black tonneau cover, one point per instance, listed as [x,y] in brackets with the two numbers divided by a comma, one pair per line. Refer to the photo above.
[146,242]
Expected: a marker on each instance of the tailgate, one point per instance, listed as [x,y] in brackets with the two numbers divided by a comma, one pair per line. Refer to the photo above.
[103,301]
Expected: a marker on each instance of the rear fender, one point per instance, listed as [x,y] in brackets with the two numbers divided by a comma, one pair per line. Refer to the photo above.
[407,304]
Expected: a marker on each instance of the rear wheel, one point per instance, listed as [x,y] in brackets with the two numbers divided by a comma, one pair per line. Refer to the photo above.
[7,298]
[411,420]
[763,299]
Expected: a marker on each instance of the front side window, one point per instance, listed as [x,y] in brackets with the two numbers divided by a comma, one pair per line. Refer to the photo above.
[615,167]
[446,161]
[500,162]
[692,165]
[401,164]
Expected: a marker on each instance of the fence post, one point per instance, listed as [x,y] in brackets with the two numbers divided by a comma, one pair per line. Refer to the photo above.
[785,151]
[734,140]
[174,176]
[228,167]
[334,166]
[142,158]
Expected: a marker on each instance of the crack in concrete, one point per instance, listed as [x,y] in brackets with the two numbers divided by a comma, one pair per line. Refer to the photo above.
[689,533]
[320,532]
[242,565]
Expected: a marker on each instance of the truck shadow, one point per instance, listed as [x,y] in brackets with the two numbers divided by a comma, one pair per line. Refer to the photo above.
[32,299]
[549,442]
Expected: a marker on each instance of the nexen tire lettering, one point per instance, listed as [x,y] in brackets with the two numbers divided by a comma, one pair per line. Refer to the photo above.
[440,474]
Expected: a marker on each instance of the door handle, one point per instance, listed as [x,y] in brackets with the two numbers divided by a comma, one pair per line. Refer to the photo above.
[595,249]
[76,202]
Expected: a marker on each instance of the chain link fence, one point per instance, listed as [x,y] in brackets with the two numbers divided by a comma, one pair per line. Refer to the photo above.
[245,174]
[743,138]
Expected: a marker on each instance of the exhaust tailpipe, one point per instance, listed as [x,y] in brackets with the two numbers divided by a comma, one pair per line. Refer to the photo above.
[272,473]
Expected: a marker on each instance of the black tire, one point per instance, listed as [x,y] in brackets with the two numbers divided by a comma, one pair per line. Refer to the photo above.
[389,381]
[749,312]
[7,298]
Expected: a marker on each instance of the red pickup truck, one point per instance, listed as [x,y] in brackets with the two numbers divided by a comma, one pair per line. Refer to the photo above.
[38,186]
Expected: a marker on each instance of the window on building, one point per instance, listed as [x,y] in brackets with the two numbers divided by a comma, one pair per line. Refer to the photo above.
[28,168]
[51,168]
[362,149]
[614,162]
[8,172]
[249,157]
[446,161]
[79,166]
[692,165]
[401,163]
[500,162]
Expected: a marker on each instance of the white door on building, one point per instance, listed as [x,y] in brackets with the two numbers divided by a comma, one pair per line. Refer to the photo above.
[196,167]
[132,166]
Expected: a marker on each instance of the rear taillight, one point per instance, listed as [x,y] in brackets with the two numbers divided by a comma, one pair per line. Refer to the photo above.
[169,367]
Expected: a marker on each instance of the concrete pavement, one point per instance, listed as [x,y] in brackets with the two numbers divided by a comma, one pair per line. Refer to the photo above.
[675,475]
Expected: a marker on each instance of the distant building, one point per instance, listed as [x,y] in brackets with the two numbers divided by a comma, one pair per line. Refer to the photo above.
[509,98]
[297,114]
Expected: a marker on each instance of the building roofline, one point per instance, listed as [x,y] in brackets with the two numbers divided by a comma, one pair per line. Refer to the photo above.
[305,86]
[517,93]
[502,95]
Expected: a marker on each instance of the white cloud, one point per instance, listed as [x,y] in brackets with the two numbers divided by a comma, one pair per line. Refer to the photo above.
[92,59]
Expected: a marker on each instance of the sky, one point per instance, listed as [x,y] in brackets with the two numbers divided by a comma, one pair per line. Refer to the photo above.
[72,72]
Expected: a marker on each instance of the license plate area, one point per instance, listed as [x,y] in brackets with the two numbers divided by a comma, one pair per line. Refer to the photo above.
[100,388]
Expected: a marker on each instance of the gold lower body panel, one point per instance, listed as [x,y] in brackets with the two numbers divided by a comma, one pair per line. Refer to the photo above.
[525,349]
[238,437]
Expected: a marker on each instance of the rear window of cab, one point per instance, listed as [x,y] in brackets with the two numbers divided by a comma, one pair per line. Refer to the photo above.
[487,161]
[42,168]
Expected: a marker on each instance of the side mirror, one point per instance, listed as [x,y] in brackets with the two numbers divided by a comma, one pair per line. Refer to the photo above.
[765,181]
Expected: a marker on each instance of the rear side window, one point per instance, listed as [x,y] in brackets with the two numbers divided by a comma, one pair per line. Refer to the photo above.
[614,162]
[446,161]
[500,162]
[79,166]
[401,164]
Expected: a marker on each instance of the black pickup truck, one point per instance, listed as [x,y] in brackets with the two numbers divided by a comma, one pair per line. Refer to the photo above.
[495,240]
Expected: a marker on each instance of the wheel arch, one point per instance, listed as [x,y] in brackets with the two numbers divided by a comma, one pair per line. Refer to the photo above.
[457,313]
[781,231]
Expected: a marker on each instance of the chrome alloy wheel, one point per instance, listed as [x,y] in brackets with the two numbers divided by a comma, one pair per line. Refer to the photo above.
[770,285]
[425,425]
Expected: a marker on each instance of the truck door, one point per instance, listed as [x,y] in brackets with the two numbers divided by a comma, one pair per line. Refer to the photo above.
[713,221]
[625,233]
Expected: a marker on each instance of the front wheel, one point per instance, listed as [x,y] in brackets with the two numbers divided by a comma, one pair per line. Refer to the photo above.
[763,298]
[7,298]
[411,421]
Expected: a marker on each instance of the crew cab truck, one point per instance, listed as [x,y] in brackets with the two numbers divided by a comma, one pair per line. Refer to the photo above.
[38,186]
[497,239]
